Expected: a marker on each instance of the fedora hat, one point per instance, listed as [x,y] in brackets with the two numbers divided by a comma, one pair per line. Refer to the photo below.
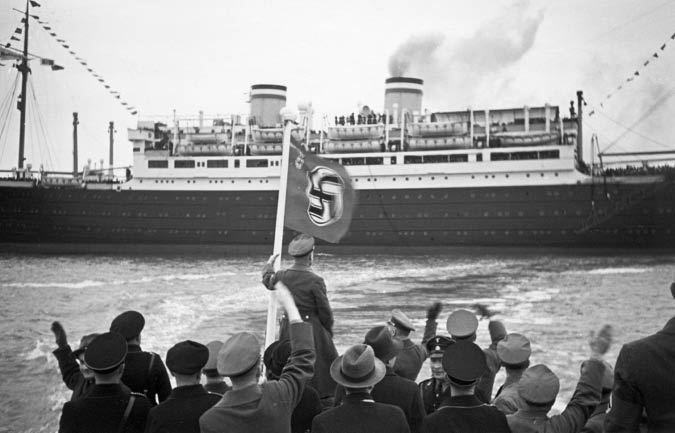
[383,343]
[357,367]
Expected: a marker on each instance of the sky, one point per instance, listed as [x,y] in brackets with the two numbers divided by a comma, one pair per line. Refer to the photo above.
[165,55]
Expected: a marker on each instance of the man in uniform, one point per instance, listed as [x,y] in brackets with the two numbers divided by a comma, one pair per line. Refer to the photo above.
[77,378]
[410,360]
[309,293]
[248,406]
[514,353]
[145,371]
[434,390]
[462,325]
[596,422]
[464,363]
[538,387]
[644,381]
[358,371]
[107,408]
[215,383]
[188,400]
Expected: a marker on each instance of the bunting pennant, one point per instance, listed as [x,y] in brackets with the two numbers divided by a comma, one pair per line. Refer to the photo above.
[53,34]
[47,27]
[645,63]
[46,62]
[34,4]
[663,47]
[18,30]
[56,68]
[14,38]
[655,55]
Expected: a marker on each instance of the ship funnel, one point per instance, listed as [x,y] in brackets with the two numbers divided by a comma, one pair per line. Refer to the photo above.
[406,92]
[267,100]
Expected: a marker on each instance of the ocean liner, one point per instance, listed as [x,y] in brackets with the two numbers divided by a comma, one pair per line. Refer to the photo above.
[511,177]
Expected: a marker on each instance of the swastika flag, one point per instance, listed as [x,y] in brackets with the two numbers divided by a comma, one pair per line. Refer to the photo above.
[320,198]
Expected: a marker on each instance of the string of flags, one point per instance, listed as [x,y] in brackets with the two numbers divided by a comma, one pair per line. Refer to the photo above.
[655,55]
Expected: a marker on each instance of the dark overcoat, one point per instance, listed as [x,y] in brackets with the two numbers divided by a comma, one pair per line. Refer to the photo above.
[267,407]
[102,411]
[309,293]
[398,391]
[219,388]
[70,371]
[644,380]
[145,373]
[308,407]
[181,411]
[409,361]
[359,413]
[433,391]
[463,414]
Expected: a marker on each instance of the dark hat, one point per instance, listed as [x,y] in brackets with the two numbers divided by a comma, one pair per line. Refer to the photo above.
[239,354]
[514,349]
[462,323]
[400,320]
[214,347]
[357,367]
[187,357]
[539,385]
[497,331]
[438,344]
[105,352]
[383,343]
[276,355]
[464,362]
[84,342]
[300,245]
[129,324]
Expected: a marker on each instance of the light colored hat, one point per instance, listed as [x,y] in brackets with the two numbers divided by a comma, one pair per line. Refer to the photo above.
[400,320]
[539,384]
[238,354]
[300,245]
[358,367]
[462,323]
[514,349]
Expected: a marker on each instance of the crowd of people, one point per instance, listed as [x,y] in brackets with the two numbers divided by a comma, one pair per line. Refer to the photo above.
[371,387]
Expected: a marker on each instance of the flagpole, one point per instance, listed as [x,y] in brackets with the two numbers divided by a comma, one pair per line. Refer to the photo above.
[288,118]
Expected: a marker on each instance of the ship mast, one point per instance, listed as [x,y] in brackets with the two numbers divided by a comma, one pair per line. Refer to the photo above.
[25,70]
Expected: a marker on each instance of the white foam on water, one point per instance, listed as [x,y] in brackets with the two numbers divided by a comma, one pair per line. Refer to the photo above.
[609,271]
[76,285]
[42,349]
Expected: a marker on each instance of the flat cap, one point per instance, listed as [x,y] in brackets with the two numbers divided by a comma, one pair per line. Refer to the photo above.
[276,356]
[105,352]
[514,349]
[187,357]
[462,323]
[438,344]
[239,354]
[384,344]
[129,324]
[400,320]
[539,384]
[214,347]
[464,362]
[84,342]
[300,245]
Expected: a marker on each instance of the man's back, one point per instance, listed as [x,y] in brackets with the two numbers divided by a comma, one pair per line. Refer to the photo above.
[181,411]
[359,414]
[145,373]
[466,414]
[644,379]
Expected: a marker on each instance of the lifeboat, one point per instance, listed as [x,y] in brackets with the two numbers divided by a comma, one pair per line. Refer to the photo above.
[355,132]
[511,139]
[191,149]
[356,146]
[457,142]
[435,129]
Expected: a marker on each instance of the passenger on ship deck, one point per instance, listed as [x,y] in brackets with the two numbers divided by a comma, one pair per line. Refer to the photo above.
[188,400]
[78,378]
[108,407]
[309,293]
[514,353]
[596,421]
[435,389]
[462,325]
[539,386]
[409,361]
[644,381]
[461,411]
[144,372]
[215,382]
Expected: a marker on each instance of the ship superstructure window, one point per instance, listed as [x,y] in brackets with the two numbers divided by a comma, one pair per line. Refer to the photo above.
[257,163]
[375,161]
[549,154]
[412,159]
[184,163]
[158,163]
[353,161]
[216,163]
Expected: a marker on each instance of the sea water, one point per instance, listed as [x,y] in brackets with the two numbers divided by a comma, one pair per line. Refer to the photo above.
[554,297]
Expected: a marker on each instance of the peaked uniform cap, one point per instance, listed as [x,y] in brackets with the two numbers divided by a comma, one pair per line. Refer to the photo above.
[84,342]
[129,324]
[462,323]
[400,320]
[514,349]
[105,352]
[301,245]
[357,367]
[465,361]
[187,357]
[384,344]
[238,354]
[214,347]
[438,344]
[539,384]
